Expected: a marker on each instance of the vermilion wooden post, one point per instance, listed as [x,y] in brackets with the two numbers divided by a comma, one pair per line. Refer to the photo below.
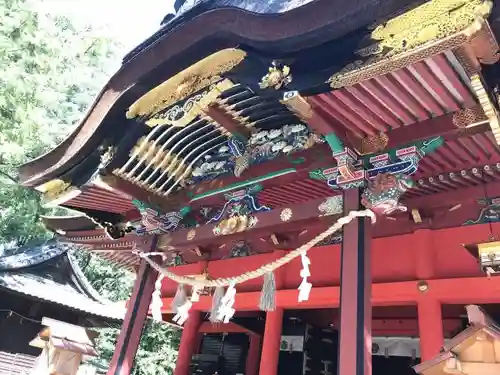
[423,249]
[135,318]
[252,365]
[355,292]
[271,343]
[430,326]
[187,346]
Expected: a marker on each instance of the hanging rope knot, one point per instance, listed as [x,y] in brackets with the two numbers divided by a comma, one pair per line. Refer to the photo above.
[369,213]
[344,220]
[225,309]
[261,271]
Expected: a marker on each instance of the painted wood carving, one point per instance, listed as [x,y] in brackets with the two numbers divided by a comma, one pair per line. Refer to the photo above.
[383,193]
[235,156]
[352,171]
[490,213]
[154,222]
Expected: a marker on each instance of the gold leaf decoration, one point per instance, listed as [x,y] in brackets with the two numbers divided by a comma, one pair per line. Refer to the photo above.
[191,234]
[487,105]
[193,79]
[181,115]
[468,116]
[373,143]
[297,104]
[428,29]
[432,20]
[277,77]
[56,192]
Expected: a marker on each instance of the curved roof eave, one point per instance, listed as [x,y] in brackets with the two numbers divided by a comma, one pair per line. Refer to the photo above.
[297,27]
[68,223]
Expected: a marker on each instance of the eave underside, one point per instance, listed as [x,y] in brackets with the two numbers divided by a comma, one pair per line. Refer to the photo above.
[270,32]
[435,90]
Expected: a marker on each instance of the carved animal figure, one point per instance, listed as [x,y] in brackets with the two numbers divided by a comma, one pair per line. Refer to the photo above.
[384,192]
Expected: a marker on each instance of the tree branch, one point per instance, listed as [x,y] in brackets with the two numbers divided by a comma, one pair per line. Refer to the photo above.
[9,177]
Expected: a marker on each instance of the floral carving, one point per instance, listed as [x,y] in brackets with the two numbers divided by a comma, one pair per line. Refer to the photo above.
[264,145]
[286,214]
[331,206]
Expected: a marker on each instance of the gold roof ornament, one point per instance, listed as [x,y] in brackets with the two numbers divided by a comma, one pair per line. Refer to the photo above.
[189,81]
[277,77]
[449,22]
[487,104]
[56,192]
[182,115]
[433,20]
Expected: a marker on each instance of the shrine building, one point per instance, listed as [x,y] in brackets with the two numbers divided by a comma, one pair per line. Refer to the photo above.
[306,187]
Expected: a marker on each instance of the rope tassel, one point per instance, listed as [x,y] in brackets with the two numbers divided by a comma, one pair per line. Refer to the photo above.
[182,313]
[262,270]
[156,302]
[268,294]
[179,300]
[226,311]
[305,286]
[216,304]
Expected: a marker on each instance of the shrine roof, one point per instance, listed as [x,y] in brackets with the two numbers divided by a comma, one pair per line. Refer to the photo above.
[209,110]
[308,33]
[466,349]
[48,273]
[190,9]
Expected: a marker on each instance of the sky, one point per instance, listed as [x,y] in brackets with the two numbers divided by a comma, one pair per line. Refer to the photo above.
[127,21]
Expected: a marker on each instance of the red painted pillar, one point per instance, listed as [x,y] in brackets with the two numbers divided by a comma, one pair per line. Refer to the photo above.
[198,341]
[430,326]
[252,365]
[271,343]
[188,343]
[423,250]
[133,324]
[355,341]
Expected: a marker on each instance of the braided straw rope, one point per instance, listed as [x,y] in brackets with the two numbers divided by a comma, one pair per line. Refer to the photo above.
[225,281]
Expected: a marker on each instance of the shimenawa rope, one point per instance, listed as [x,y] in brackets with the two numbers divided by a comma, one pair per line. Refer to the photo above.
[225,281]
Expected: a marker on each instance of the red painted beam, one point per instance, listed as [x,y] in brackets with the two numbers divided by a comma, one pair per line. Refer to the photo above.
[442,126]
[207,327]
[439,126]
[465,290]
[380,327]
[136,192]
[224,119]
[268,222]
[404,327]
[457,196]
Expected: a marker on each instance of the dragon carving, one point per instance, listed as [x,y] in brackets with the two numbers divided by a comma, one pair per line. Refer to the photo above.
[384,192]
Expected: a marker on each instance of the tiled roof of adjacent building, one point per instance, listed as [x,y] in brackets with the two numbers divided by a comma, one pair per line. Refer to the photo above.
[47,272]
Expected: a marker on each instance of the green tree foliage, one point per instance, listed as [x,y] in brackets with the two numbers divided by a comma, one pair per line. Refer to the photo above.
[157,351]
[50,71]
